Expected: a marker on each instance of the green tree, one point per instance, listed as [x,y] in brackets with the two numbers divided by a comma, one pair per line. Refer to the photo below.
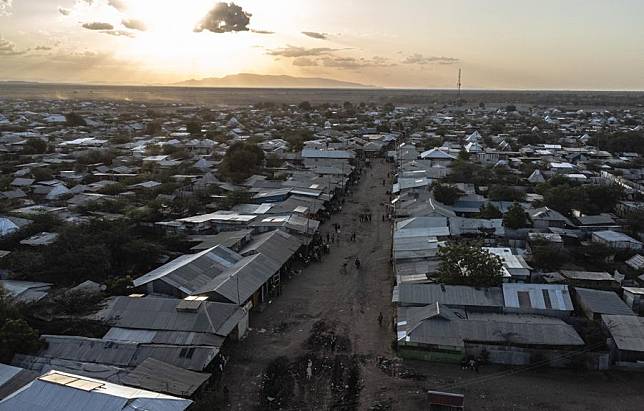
[75,120]
[446,194]
[194,127]
[505,193]
[467,264]
[153,128]
[547,257]
[489,211]
[241,161]
[516,217]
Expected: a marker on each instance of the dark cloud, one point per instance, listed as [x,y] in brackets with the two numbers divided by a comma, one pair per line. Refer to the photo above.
[423,60]
[8,48]
[134,24]
[98,26]
[118,33]
[294,52]
[225,18]
[315,35]
[262,31]
[118,4]
[64,11]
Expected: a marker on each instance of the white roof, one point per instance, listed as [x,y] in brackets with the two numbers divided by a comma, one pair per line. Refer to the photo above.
[59,391]
[558,296]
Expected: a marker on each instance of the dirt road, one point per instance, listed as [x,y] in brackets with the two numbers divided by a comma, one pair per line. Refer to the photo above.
[322,348]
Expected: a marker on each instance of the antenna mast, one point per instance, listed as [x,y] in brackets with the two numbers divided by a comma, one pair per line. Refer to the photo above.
[459,84]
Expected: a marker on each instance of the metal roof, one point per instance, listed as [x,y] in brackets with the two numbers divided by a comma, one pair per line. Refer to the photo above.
[456,295]
[602,302]
[241,281]
[558,296]
[192,271]
[627,331]
[161,314]
[493,328]
[58,391]
[125,354]
[277,245]
[158,376]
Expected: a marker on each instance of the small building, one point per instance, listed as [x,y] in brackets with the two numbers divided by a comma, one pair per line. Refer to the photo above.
[615,239]
[544,299]
[634,298]
[599,280]
[626,337]
[595,303]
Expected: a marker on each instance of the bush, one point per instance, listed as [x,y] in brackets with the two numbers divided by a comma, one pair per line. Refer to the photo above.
[241,161]
[465,264]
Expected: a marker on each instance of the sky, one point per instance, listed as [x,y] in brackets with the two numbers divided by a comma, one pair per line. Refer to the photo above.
[498,44]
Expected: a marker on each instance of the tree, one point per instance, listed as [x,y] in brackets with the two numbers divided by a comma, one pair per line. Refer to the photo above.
[153,128]
[389,107]
[194,127]
[241,161]
[463,155]
[446,194]
[75,120]
[516,217]
[15,333]
[466,264]
[505,193]
[489,211]
[34,146]
[547,257]
[305,106]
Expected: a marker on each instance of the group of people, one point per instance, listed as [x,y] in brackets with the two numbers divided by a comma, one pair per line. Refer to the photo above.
[365,218]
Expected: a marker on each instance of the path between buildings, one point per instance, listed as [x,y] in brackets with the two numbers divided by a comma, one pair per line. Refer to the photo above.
[349,304]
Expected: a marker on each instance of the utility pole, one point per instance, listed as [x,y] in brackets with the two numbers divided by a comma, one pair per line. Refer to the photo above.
[459,84]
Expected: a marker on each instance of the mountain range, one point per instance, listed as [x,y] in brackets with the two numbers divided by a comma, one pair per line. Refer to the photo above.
[269,81]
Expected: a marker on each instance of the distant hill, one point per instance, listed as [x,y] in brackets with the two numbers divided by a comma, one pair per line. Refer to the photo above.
[268,81]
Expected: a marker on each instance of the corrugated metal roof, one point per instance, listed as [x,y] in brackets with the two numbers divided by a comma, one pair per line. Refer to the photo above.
[125,354]
[277,245]
[42,394]
[160,314]
[192,271]
[558,296]
[627,331]
[158,376]
[456,295]
[602,302]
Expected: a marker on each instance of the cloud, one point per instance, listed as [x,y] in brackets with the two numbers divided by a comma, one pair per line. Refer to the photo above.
[423,60]
[355,63]
[224,18]
[8,48]
[315,35]
[294,52]
[118,33]
[117,4]
[42,48]
[5,7]
[134,24]
[98,26]
[305,62]
[262,31]
[64,11]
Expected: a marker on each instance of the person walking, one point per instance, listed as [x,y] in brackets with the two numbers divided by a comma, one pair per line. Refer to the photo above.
[380,318]
[357,263]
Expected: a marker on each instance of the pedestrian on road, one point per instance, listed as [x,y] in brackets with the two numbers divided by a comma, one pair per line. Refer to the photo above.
[327,237]
[344,268]
[357,263]
[380,319]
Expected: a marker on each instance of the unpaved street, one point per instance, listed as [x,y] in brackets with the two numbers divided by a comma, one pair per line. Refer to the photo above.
[345,305]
